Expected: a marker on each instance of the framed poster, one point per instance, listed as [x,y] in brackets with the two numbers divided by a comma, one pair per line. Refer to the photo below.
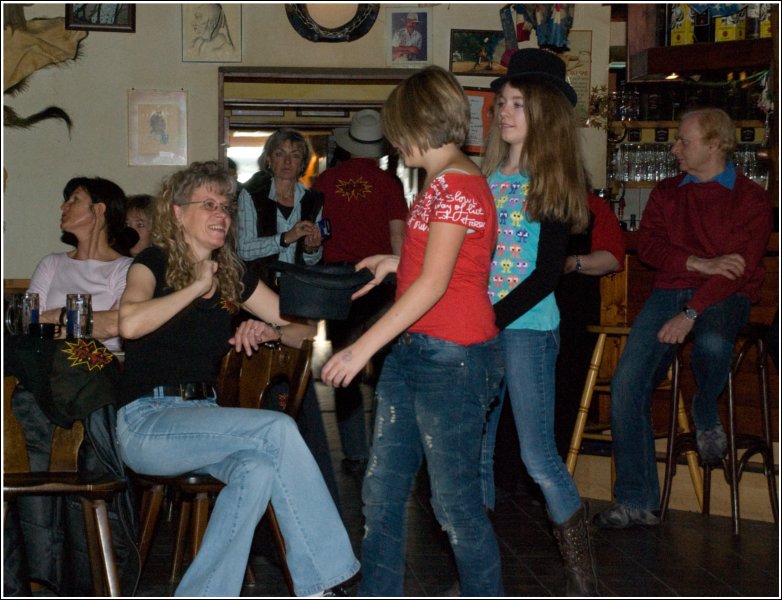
[101,17]
[481,104]
[578,62]
[477,52]
[212,32]
[408,37]
[157,128]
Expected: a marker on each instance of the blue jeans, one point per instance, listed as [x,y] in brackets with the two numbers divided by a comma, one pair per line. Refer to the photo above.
[260,456]
[433,398]
[641,367]
[530,363]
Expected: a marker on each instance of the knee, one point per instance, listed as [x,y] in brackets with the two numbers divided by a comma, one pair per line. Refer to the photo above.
[712,349]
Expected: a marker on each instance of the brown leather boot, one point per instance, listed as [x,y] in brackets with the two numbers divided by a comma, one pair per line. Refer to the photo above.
[576,549]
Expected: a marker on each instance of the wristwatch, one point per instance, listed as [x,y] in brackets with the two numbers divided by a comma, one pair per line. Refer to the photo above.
[690,313]
[283,243]
[579,266]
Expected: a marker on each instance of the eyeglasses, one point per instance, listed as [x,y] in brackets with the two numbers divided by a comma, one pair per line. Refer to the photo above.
[212,206]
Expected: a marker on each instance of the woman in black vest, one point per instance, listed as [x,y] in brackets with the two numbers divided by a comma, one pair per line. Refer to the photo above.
[277,214]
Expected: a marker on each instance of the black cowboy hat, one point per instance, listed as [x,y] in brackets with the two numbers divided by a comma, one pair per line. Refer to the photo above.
[537,64]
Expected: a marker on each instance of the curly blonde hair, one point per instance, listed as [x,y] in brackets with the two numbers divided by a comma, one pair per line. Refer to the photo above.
[168,235]
[551,156]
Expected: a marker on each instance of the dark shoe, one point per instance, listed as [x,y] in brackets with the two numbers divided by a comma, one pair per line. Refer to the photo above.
[576,549]
[336,592]
[620,516]
[712,445]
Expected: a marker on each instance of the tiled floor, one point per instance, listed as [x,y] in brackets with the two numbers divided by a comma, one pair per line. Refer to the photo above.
[688,555]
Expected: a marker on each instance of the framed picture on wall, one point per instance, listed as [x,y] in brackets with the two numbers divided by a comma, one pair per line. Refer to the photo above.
[477,52]
[212,32]
[157,127]
[408,37]
[101,17]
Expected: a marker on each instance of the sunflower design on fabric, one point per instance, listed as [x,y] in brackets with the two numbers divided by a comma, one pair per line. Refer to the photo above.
[228,305]
[354,189]
[87,352]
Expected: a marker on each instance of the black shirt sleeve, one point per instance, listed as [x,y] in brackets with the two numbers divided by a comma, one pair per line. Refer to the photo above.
[552,248]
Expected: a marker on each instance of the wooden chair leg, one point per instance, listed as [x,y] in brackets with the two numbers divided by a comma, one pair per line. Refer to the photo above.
[693,464]
[279,542]
[151,502]
[181,534]
[200,519]
[91,533]
[586,401]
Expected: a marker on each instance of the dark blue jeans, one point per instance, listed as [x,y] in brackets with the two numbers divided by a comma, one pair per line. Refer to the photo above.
[644,363]
[433,399]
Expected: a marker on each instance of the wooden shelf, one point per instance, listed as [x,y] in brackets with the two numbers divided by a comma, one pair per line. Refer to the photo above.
[675,124]
[656,62]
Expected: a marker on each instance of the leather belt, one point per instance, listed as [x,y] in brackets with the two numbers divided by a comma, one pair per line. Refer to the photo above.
[406,338]
[188,391]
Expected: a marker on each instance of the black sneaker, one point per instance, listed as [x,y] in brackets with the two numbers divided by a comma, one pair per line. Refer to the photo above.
[712,445]
[336,592]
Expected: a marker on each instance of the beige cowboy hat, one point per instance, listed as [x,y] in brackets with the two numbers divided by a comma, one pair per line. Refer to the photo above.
[364,137]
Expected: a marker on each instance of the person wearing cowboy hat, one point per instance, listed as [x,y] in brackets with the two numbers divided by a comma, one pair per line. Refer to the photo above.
[366,208]
[407,41]
[535,170]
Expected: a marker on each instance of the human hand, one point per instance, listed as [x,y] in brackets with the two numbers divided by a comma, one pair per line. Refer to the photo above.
[675,330]
[204,276]
[728,265]
[251,334]
[379,265]
[342,367]
[313,240]
[299,230]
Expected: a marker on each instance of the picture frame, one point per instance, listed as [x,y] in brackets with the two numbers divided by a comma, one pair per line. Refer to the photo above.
[157,127]
[212,33]
[578,67]
[477,52]
[481,102]
[101,17]
[408,37]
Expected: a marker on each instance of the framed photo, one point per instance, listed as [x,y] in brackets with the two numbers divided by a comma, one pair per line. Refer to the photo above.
[578,63]
[477,52]
[157,128]
[481,103]
[408,37]
[101,17]
[212,32]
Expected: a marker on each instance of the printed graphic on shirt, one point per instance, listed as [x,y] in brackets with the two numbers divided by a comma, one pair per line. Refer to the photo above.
[511,264]
[442,205]
[354,189]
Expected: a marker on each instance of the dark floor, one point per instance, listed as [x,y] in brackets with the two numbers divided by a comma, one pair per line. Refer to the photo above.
[688,555]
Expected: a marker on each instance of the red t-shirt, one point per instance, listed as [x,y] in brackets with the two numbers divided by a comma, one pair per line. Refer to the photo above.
[359,200]
[464,314]
[606,233]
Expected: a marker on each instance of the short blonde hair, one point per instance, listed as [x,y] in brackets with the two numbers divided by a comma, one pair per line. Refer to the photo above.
[427,110]
[717,126]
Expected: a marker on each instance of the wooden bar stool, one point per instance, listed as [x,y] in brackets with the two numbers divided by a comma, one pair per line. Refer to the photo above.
[751,336]
[596,384]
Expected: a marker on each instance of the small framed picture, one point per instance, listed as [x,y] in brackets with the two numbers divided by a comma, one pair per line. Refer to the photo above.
[101,17]
[477,52]
[157,127]
[408,37]
[212,32]
[481,105]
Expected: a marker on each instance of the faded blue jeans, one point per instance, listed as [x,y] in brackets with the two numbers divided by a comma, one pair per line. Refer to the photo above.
[260,456]
[641,367]
[433,398]
[530,367]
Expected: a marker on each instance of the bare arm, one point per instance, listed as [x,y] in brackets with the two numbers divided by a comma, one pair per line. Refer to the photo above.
[594,263]
[396,228]
[265,304]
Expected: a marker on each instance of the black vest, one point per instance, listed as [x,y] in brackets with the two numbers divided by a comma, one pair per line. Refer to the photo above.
[259,186]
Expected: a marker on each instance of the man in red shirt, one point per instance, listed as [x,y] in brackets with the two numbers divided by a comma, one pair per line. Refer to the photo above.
[705,232]
[366,208]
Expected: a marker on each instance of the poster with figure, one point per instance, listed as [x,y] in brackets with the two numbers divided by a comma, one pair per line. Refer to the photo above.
[578,62]
[212,32]
[157,128]
[409,37]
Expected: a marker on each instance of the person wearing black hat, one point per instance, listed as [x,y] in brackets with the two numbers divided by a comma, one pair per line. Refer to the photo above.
[366,208]
[535,171]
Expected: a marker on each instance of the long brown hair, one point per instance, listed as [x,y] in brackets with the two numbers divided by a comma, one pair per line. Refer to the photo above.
[168,235]
[551,156]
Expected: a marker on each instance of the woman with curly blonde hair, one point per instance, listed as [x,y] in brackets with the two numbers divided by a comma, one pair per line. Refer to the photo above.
[176,317]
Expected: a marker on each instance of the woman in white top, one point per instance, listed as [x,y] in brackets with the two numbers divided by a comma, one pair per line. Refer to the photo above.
[93,212]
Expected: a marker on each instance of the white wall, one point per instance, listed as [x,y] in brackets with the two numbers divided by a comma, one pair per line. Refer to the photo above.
[93,91]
